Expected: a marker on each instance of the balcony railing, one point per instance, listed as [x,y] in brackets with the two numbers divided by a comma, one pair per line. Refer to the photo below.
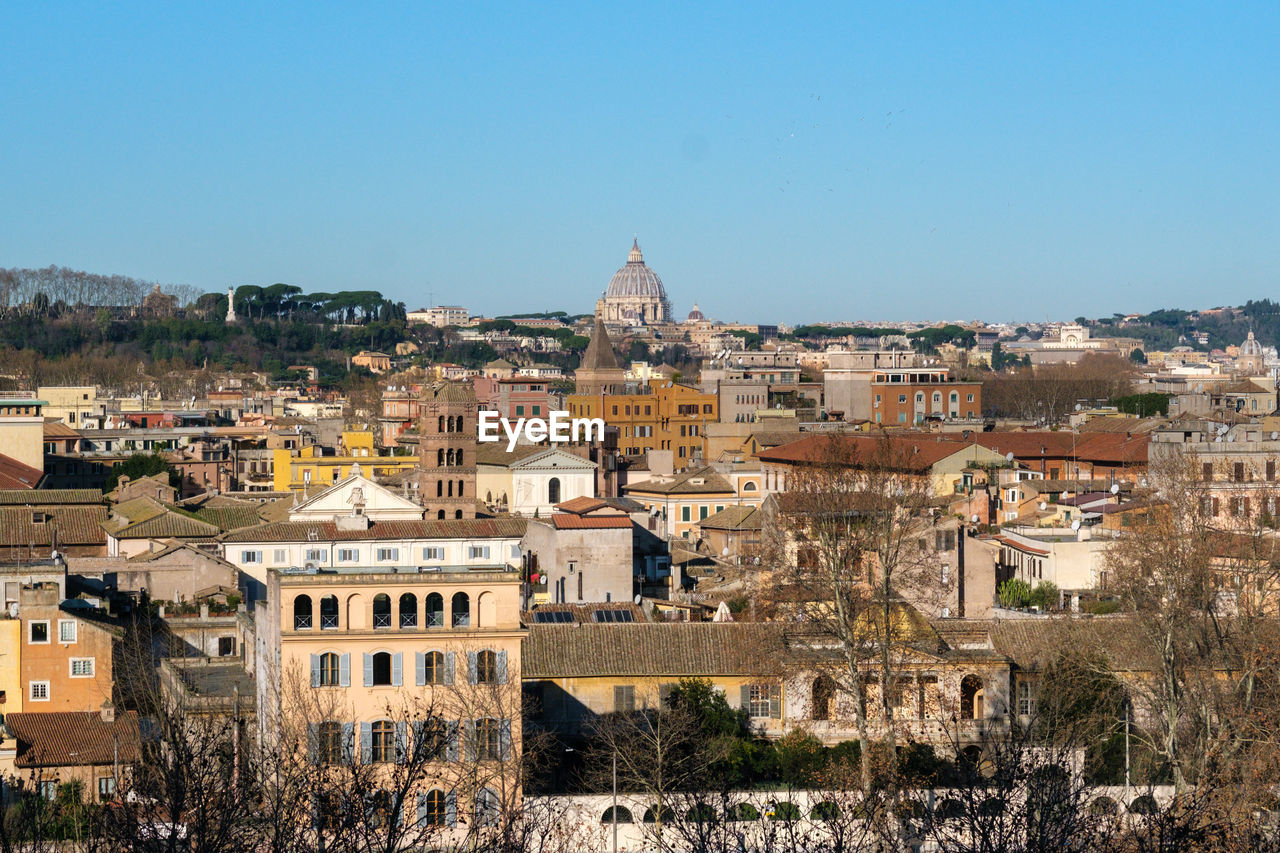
[408,620]
[382,620]
[302,623]
[328,622]
[435,619]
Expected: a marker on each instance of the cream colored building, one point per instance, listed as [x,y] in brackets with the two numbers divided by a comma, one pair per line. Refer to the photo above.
[373,662]
[70,404]
[22,430]
[532,480]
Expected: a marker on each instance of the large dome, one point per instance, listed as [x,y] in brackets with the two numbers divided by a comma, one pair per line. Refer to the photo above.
[636,279]
[1251,346]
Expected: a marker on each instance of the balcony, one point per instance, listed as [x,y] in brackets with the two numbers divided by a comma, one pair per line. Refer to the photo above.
[302,623]
[328,622]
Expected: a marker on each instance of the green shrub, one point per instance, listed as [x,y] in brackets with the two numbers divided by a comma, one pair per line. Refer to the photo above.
[1014,593]
[1045,595]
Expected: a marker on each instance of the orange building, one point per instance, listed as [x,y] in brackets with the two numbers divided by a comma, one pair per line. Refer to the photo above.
[66,656]
[670,416]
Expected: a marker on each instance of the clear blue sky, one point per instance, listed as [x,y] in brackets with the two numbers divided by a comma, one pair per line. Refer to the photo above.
[877,160]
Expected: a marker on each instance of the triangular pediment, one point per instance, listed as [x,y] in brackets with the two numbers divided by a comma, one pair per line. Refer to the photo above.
[356,495]
[553,459]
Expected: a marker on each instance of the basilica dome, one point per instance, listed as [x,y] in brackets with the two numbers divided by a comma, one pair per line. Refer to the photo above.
[1251,346]
[696,315]
[635,294]
[636,279]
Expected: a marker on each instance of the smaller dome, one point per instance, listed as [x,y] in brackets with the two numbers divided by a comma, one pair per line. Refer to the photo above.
[695,316]
[1250,346]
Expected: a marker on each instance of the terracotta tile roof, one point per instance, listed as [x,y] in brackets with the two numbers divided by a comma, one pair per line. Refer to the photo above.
[167,524]
[73,525]
[49,497]
[581,505]
[916,453]
[1034,643]
[569,521]
[229,517]
[496,453]
[652,649]
[733,518]
[327,531]
[73,738]
[1106,447]
[16,475]
[1021,546]
[685,483]
[54,430]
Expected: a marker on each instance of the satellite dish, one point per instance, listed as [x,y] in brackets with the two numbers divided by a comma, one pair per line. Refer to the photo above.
[724,552]
[1275,435]
[1043,505]
[975,518]
[1009,456]
[1115,488]
[1075,525]
[638,599]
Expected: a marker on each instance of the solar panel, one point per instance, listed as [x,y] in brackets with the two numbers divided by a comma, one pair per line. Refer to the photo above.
[546,617]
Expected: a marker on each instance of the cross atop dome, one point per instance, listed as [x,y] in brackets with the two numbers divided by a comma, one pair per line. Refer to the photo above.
[635,257]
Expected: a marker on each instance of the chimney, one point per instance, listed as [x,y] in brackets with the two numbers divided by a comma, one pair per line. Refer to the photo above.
[108,712]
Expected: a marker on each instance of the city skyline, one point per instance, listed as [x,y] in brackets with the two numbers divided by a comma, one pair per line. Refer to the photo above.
[776,165]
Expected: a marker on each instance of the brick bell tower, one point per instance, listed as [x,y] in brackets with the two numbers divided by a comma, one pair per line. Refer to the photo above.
[447,451]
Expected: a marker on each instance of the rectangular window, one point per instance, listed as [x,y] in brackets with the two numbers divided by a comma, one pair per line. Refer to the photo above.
[251,556]
[537,410]
[970,400]
[1237,472]
[477,552]
[624,699]
[703,511]
[519,411]
[348,555]
[686,513]
[106,787]
[39,691]
[317,555]
[760,700]
[38,631]
[429,554]
[1271,470]
[1026,701]
[66,630]
[279,556]
[386,555]
[1206,471]
[82,667]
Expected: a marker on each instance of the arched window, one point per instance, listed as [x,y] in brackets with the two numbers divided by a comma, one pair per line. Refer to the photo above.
[408,610]
[329,613]
[440,457]
[487,667]
[440,490]
[824,690]
[434,808]
[457,513]
[553,490]
[302,613]
[435,610]
[382,669]
[971,698]
[382,610]
[441,425]
[458,457]
[622,813]
[748,487]
[329,743]
[440,514]
[384,741]
[461,607]
[450,488]
[435,667]
[329,670]
[448,457]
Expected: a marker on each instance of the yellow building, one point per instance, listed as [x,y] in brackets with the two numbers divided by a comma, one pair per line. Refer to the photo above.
[375,661]
[70,404]
[670,417]
[10,665]
[298,468]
